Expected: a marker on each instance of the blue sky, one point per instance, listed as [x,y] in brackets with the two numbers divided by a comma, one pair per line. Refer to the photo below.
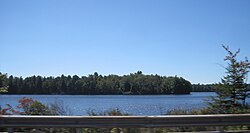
[165,37]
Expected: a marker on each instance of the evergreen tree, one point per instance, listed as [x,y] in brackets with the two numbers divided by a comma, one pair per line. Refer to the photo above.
[3,83]
[232,90]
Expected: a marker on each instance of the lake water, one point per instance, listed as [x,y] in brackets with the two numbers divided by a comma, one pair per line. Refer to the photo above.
[131,104]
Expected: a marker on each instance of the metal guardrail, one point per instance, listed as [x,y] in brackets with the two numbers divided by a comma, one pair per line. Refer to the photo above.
[12,121]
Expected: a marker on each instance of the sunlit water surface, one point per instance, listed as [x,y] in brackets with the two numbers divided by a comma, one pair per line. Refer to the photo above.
[131,104]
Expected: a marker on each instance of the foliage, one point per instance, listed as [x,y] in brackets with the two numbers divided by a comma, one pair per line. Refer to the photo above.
[58,108]
[4,89]
[111,112]
[208,87]
[202,87]
[232,90]
[3,83]
[9,110]
[29,106]
[183,111]
[95,84]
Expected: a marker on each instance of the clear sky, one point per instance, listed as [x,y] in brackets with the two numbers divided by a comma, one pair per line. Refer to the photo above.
[165,37]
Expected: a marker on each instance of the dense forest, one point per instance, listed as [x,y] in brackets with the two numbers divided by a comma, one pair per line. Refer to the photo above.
[208,87]
[203,87]
[95,84]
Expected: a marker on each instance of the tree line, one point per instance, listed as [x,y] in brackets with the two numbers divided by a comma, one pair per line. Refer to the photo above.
[209,87]
[95,84]
[203,87]
[3,83]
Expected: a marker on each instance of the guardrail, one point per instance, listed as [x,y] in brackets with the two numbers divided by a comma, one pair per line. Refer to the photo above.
[12,121]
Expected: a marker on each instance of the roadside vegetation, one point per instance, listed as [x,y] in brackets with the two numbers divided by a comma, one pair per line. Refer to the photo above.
[232,93]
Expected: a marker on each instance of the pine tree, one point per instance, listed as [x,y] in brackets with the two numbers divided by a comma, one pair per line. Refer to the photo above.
[232,90]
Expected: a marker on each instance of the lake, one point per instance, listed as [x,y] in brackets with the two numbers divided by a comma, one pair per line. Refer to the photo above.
[131,104]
